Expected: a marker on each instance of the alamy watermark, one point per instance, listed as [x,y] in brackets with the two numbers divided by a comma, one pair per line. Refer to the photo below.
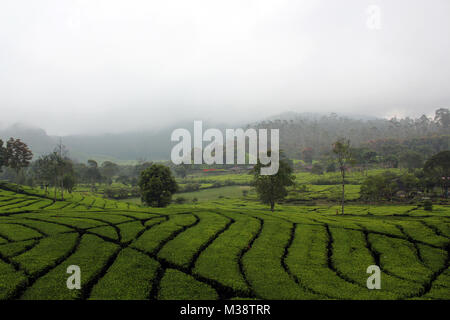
[213,153]
[374,281]
[74,281]
[373,21]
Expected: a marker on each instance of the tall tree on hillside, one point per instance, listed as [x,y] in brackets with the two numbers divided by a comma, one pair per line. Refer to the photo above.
[69,182]
[141,166]
[2,155]
[63,165]
[438,166]
[56,164]
[442,118]
[93,173]
[44,171]
[18,155]
[109,170]
[307,155]
[157,185]
[342,152]
[411,159]
[181,170]
[273,188]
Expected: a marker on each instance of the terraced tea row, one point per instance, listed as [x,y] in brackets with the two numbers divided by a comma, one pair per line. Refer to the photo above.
[222,250]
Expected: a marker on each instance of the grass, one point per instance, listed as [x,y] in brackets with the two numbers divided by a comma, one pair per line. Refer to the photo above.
[184,246]
[214,193]
[263,268]
[46,252]
[91,256]
[176,285]
[129,278]
[228,247]
[151,240]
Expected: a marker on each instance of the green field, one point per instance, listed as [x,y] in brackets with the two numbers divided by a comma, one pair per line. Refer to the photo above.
[221,248]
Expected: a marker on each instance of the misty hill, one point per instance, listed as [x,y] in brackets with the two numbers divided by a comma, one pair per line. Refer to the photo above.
[36,138]
[118,147]
[297,132]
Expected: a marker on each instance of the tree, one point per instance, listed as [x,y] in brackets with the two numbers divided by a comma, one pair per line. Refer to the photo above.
[93,174]
[368,158]
[181,171]
[44,171]
[109,170]
[18,155]
[331,167]
[409,182]
[69,182]
[317,169]
[411,159]
[56,167]
[341,149]
[272,188]
[63,166]
[307,155]
[157,185]
[51,169]
[123,179]
[141,166]
[2,155]
[379,187]
[438,166]
[442,118]
[391,161]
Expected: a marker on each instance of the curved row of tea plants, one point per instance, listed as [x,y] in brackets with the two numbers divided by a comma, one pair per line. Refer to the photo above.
[226,249]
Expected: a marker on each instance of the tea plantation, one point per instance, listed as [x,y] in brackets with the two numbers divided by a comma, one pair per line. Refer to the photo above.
[224,249]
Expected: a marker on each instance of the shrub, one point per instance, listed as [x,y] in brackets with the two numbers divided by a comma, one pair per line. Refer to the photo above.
[317,169]
[331,167]
[191,187]
[216,184]
[428,205]
[180,200]
[229,182]
[120,193]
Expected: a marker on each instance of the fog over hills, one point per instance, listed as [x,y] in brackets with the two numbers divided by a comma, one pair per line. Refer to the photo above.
[156,144]
[119,147]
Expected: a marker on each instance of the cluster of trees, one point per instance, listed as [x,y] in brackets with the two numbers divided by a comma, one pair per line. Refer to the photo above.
[57,170]
[409,154]
[121,192]
[54,170]
[158,185]
[434,174]
[91,173]
[15,155]
[386,186]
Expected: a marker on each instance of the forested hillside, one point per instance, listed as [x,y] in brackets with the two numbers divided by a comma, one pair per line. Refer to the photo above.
[382,135]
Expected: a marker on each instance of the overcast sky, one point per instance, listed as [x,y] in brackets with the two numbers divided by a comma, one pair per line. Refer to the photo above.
[106,66]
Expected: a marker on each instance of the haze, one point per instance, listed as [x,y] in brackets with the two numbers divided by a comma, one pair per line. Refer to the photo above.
[111,66]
